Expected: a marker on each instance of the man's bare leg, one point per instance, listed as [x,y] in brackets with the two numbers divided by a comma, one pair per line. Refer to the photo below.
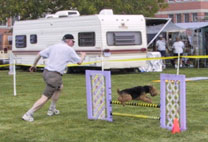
[28,116]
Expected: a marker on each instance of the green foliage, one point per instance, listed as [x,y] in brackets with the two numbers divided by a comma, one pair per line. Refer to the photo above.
[32,9]
[72,124]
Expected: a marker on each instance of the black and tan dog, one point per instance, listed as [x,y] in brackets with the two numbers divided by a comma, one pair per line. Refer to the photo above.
[136,93]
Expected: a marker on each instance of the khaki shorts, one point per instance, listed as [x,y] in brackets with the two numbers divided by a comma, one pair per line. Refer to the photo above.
[53,82]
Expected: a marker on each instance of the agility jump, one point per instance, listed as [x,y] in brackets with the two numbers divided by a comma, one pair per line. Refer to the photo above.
[136,115]
[172,100]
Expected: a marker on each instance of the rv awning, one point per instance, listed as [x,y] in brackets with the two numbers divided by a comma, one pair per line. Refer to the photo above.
[193,25]
[171,27]
[150,21]
[155,22]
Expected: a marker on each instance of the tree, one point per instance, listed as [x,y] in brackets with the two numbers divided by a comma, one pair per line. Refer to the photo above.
[32,9]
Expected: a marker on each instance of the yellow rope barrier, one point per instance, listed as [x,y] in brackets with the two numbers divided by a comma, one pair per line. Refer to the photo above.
[6,65]
[120,60]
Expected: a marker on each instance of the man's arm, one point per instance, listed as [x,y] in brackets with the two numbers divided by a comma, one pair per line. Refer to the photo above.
[33,67]
[83,54]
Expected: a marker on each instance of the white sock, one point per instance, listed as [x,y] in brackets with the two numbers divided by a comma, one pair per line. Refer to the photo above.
[30,112]
[52,106]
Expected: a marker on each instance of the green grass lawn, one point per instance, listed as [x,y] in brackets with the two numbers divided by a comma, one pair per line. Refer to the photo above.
[72,124]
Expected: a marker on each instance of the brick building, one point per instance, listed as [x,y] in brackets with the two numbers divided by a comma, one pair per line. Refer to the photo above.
[184,11]
[5,34]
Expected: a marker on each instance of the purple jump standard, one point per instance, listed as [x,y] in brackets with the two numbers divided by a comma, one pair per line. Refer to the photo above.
[98,87]
[172,100]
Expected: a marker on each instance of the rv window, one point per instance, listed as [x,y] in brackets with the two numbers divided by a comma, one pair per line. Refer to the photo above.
[124,38]
[20,41]
[86,39]
[10,40]
[33,39]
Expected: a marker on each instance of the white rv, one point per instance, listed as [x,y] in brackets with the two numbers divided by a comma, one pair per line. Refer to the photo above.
[103,37]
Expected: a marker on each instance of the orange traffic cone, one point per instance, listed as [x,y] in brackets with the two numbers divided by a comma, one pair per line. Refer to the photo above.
[176,128]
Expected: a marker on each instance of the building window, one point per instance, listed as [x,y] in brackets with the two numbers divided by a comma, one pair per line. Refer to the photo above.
[33,39]
[86,39]
[1,38]
[171,16]
[186,18]
[206,16]
[124,38]
[171,0]
[20,41]
[194,17]
[178,17]
[10,40]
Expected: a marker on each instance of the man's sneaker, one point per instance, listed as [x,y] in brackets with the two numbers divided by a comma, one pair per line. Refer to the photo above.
[53,112]
[27,117]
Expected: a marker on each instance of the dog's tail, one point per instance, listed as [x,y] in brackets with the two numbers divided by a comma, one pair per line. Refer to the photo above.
[118,91]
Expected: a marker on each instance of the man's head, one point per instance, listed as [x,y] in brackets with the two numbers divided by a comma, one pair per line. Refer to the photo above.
[160,36]
[178,38]
[69,39]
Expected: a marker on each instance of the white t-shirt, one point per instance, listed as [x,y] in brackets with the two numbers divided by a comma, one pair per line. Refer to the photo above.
[160,44]
[59,55]
[178,47]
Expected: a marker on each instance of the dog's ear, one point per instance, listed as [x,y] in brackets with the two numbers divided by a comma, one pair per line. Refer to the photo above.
[153,91]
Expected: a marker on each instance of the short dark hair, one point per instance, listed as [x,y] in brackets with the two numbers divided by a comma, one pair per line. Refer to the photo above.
[68,36]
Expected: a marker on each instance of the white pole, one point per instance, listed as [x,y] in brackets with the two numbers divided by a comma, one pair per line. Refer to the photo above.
[198,47]
[178,64]
[14,77]
[11,59]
